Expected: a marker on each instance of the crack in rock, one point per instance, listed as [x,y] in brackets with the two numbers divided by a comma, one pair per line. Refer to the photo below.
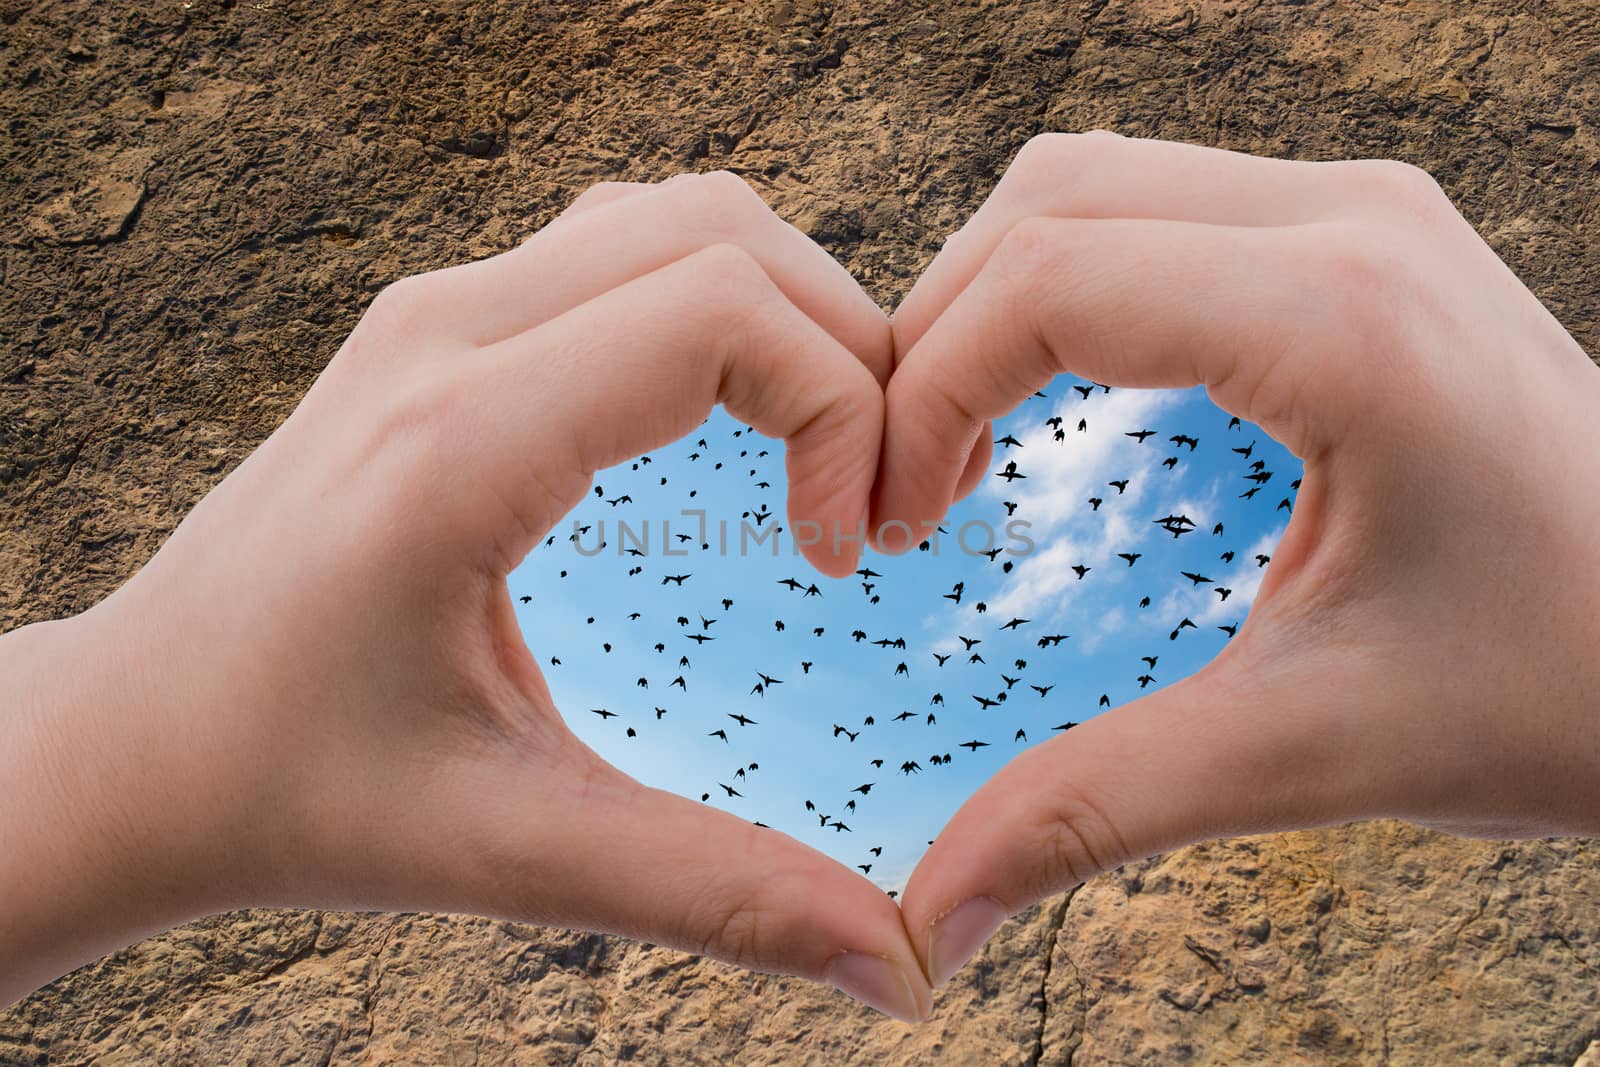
[1057,920]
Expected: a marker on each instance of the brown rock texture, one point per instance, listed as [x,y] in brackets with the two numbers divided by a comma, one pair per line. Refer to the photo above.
[201,197]
[1370,943]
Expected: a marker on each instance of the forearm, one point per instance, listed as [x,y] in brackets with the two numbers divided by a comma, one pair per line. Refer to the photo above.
[101,837]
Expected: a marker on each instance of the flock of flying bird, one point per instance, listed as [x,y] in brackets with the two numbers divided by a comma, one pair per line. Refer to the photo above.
[688,629]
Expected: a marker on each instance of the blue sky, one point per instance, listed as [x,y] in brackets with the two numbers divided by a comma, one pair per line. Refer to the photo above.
[797,753]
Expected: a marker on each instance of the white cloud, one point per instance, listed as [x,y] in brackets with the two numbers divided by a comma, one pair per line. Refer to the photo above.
[1105,626]
[1201,603]
[1061,477]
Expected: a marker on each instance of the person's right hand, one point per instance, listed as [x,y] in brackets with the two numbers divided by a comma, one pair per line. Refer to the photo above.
[1424,644]
[317,694]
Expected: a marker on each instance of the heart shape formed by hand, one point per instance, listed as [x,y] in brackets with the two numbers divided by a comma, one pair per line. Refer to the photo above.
[388,710]
[1113,548]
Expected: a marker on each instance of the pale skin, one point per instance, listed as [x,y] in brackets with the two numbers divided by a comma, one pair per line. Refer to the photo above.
[316,694]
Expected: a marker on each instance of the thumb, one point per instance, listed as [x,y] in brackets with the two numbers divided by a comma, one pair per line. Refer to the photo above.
[1223,753]
[608,854]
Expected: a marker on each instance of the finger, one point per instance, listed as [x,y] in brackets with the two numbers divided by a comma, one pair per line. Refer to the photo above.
[654,866]
[1128,302]
[894,539]
[977,461]
[602,193]
[620,237]
[1202,759]
[642,365]
[1100,174]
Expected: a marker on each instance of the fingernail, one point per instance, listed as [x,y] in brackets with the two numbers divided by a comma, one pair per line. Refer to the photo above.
[875,982]
[954,937]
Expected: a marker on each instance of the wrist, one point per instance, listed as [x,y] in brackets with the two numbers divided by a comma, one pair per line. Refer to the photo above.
[108,833]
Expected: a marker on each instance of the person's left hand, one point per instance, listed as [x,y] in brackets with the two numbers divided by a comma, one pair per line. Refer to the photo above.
[1422,645]
[330,634]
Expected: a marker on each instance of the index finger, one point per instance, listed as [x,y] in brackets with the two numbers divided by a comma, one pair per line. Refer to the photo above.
[642,365]
[1132,302]
[1101,175]
[623,232]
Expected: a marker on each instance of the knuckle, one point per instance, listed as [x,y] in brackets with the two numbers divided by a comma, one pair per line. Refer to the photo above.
[726,183]
[599,191]
[1055,158]
[400,302]
[1330,326]
[1359,275]
[1029,250]
[725,262]
[1043,146]
[1404,177]
[1077,841]
[1036,271]
[395,319]
[721,202]
[407,309]
[1403,189]
[733,290]
[732,279]
[734,933]
[1075,174]
[1066,859]
[948,401]
[743,929]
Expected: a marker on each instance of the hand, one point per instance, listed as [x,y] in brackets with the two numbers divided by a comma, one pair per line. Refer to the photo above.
[1423,644]
[330,636]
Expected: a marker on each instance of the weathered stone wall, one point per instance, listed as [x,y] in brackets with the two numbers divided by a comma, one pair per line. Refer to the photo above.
[201,198]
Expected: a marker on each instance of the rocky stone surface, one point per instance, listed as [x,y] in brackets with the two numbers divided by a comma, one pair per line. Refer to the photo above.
[204,195]
[1370,943]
